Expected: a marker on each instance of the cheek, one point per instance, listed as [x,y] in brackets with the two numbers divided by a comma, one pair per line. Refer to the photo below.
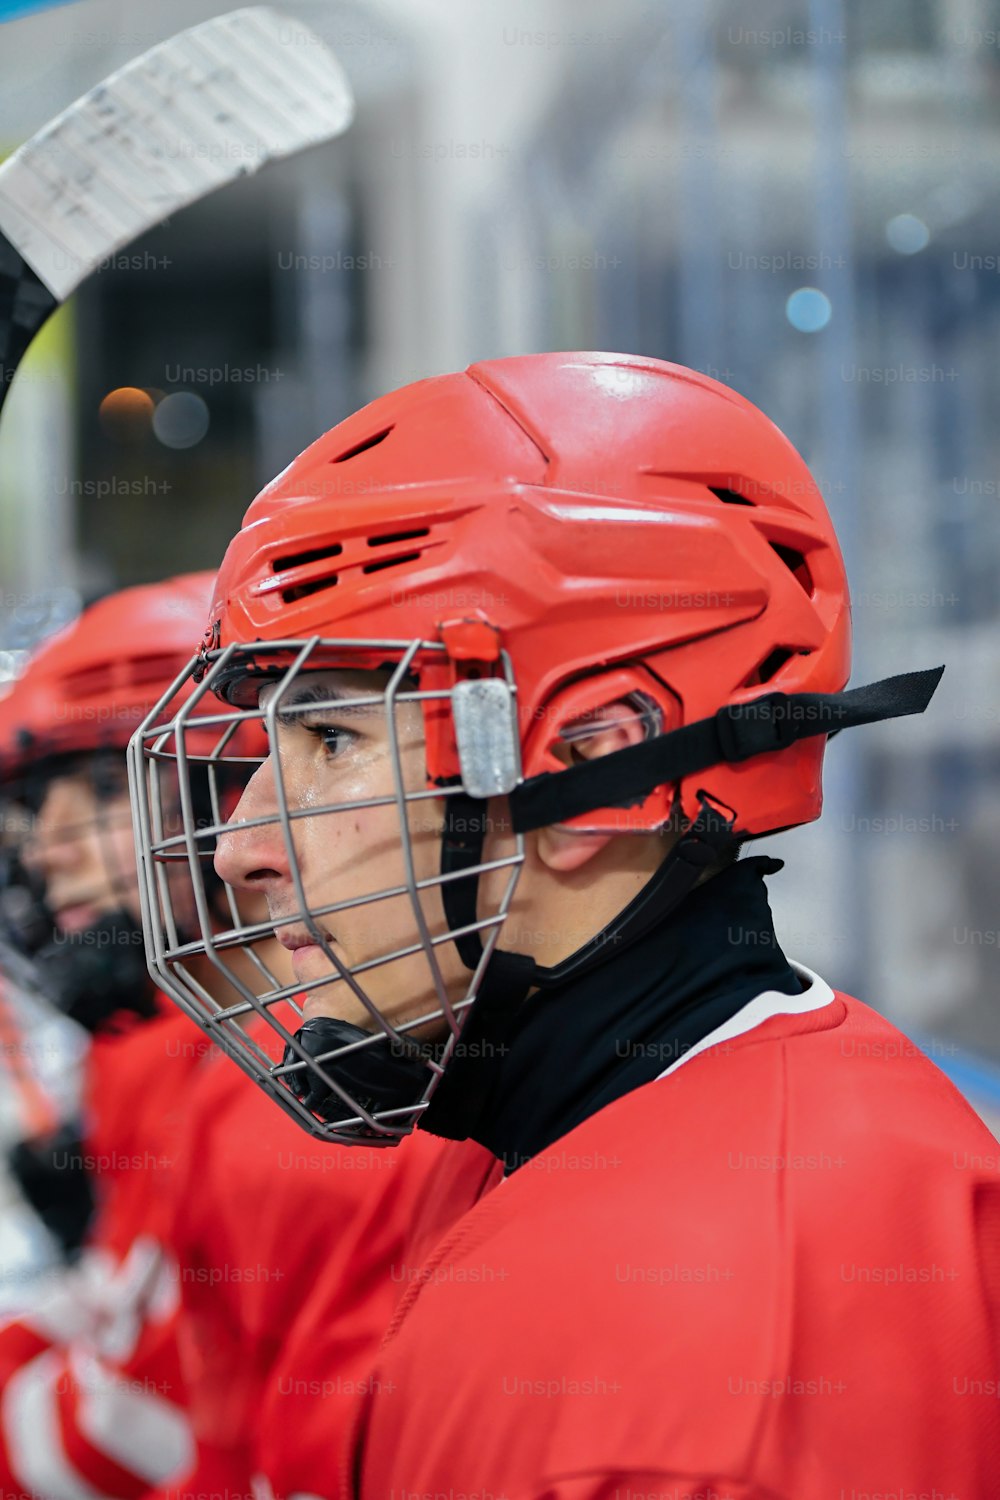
[122,851]
[80,862]
[65,826]
[114,854]
[362,848]
[358,841]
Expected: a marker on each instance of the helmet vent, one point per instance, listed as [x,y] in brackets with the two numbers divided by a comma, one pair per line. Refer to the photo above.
[107,678]
[302,590]
[397,536]
[299,559]
[362,447]
[390,562]
[730,497]
[770,666]
[796,564]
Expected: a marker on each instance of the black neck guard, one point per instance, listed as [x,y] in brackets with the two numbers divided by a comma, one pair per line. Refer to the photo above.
[604,1027]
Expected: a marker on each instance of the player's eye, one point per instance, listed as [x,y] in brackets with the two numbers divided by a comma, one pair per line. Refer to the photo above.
[334,737]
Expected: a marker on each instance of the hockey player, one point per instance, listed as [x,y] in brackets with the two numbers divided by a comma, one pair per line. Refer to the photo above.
[103,1383]
[91,1394]
[152,1361]
[538,646]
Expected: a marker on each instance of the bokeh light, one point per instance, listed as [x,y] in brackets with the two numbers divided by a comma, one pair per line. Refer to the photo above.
[181,420]
[126,414]
[907,234]
[808,309]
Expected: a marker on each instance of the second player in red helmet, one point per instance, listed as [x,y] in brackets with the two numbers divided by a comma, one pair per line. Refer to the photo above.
[64,726]
[538,647]
[93,1363]
[160,1356]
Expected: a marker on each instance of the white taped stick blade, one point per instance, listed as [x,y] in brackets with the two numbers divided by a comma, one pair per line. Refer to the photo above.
[193,113]
[486,736]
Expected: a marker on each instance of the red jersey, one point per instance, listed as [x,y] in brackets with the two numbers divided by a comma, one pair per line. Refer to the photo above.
[324,1368]
[771,1274]
[92,1400]
[282,1240]
[219,1221]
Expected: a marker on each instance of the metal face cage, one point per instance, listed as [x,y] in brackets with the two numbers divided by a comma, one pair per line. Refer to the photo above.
[213,961]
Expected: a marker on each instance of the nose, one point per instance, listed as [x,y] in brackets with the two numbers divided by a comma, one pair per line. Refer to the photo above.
[255,858]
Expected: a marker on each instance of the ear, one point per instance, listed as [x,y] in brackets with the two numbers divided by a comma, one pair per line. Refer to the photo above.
[613,726]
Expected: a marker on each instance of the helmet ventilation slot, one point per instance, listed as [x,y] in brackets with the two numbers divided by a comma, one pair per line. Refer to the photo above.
[113,677]
[390,562]
[730,497]
[303,590]
[398,536]
[309,586]
[362,447]
[796,564]
[771,666]
[299,559]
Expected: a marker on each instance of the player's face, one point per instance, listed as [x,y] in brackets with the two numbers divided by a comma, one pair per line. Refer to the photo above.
[344,756]
[81,848]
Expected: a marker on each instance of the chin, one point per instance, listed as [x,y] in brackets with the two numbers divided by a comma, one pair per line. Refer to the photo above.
[317,1004]
[336,1002]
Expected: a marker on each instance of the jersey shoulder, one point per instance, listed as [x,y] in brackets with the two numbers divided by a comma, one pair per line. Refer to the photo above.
[694,1261]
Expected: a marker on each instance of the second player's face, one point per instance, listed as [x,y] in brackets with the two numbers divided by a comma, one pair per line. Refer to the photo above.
[344,756]
[81,847]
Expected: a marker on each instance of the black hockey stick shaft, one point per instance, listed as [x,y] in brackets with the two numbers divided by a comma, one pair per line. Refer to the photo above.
[25,304]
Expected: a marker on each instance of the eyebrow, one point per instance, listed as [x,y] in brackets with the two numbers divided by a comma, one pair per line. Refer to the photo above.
[312,695]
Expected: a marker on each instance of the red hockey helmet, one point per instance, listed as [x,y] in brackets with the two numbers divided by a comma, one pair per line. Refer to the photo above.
[529,542]
[618,525]
[89,686]
[72,712]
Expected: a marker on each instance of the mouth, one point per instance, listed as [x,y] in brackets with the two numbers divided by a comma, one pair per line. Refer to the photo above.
[298,940]
[301,957]
[305,950]
[75,916]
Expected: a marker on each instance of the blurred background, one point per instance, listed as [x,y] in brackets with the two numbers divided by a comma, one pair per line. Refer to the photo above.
[798,198]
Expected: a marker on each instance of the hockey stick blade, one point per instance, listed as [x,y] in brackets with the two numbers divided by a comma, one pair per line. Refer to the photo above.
[213,103]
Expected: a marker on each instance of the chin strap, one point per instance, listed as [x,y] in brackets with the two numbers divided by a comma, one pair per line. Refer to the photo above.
[737,732]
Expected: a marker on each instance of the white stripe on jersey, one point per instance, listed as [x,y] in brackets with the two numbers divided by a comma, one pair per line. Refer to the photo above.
[29,1416]
[135,1427]
[760,1009]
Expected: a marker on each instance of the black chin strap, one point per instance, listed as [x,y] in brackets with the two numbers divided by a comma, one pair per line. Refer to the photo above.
[737,732]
